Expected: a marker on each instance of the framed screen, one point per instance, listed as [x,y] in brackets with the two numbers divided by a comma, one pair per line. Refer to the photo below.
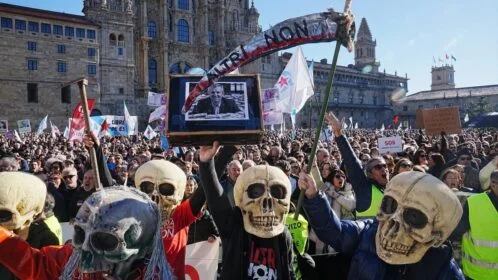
[231,104]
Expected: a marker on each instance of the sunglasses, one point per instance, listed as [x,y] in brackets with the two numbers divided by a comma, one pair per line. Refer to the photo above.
[464,158]
[380,166]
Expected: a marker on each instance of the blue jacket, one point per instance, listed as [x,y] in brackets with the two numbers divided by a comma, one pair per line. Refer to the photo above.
[357,239]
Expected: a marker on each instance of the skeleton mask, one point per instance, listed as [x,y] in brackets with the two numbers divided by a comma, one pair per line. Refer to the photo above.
[263,195]
[418,211]
[163,182]
[114,228]
[22,197]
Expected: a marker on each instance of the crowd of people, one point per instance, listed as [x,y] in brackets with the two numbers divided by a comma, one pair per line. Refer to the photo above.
[358,202]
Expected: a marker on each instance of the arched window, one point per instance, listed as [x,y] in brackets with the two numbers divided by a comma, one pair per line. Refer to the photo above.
[183,31]
[152,73]
[179,68]
[121,40]
[112,39]
[170,3]
[183,4]
[152,29]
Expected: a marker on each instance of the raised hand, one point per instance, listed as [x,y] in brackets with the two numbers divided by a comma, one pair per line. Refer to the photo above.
[206,153]
[337,125]
[308,185]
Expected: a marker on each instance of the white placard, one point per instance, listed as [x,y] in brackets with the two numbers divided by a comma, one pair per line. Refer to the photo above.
[201,260]
[390,144]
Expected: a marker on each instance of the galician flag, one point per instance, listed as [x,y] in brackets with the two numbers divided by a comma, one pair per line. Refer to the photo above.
[66,132]
[17,137]
[42,126]
[149,133]
[127,120]
[294,84]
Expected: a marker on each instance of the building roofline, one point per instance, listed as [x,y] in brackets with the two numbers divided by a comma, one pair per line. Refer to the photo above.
[453,89]
[27,11]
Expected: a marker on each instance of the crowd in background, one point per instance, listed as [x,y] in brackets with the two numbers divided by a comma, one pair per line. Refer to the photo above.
[466,163]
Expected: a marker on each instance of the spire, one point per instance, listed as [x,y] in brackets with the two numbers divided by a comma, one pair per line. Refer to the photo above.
[364,31]
[253,9]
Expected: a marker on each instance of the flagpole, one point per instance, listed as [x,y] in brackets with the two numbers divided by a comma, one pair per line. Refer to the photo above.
[93,156]
[319,125]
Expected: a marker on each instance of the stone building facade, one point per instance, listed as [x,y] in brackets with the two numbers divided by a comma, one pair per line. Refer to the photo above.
[359,91]
[137,45]
[470,100]
[40,52]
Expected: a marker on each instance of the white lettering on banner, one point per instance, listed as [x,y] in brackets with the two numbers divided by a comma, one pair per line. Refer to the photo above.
[390,144]
[201,260]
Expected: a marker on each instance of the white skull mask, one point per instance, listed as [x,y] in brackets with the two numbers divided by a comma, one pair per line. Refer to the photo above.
[22,197]
[263,194]
[163,182]
[114,228]
[418,211]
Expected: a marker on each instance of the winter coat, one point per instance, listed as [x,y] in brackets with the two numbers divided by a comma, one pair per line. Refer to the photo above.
[357,239]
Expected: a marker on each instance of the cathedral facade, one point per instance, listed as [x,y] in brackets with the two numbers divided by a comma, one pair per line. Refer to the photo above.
[135,46]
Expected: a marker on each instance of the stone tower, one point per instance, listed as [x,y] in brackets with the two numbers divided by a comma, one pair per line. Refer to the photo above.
[116,59]
[443,77]
[365,48]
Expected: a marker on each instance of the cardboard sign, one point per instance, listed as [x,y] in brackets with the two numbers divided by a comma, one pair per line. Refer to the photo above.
[419,119]
[442,119]
[390,144]
[4,126]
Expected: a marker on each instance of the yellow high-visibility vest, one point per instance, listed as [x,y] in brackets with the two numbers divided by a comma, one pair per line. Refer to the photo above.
[480,243]
[55,227]
[371,212]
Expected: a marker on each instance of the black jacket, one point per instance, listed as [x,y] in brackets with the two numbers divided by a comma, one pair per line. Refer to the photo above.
[235,240]
[226,106]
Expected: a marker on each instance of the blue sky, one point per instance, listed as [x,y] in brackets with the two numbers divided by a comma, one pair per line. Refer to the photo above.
[408,33]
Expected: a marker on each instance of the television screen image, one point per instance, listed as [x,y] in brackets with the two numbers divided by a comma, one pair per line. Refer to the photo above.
[230,110]
[222,101]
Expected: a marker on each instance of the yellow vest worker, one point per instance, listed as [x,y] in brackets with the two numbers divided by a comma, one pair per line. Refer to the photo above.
[371,212]
[480,243]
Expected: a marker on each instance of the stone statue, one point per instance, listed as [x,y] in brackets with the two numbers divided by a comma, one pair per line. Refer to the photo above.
[129,7]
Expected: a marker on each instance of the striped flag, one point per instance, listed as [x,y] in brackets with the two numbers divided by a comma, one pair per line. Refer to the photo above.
[127,120]
[42,126]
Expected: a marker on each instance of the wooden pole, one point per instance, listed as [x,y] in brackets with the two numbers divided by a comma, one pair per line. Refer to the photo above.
[82,83]
[319,125]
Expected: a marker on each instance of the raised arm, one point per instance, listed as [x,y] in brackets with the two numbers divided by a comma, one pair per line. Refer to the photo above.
[218,203]
[29,263]
[343,236]
[356,176]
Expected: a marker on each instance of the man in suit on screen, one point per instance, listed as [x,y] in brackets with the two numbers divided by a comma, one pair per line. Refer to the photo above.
[216,103]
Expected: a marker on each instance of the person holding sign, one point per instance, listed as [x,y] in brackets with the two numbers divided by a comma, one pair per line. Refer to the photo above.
[369,185]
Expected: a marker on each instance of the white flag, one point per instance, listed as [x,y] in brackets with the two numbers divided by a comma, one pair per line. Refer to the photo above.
[399,127]
[201,260]
[127,120]
[149,132]
[16,135]
[55,130]
[382,128]
[66,132]
[294,84]
[42,126]
[356,125]
[466,119]
[158,114]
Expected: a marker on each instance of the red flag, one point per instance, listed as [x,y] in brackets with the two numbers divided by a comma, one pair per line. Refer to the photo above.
[78,121]
[396,119]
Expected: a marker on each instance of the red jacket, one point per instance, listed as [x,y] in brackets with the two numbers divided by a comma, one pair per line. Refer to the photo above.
[45,264]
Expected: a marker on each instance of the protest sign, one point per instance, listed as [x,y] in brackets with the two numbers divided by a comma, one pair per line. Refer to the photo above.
[441,119]
[24,126]
[4,126]
[156,99]
[67,231]
[201,260]
[273,117]
[390,145]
